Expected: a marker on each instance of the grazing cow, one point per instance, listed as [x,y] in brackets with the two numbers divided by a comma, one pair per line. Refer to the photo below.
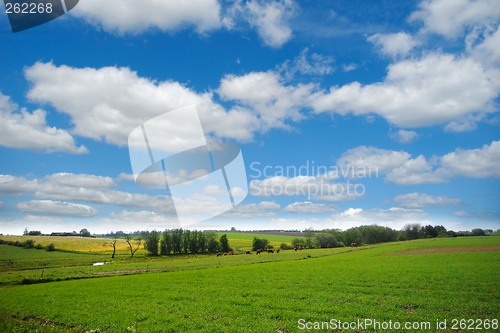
[300,249]
[270,251]
[278,251]
[225,254]
[329,246]
[219,254]
[248,252]
[353,245]
[230,253]
[257,252]
[295,249]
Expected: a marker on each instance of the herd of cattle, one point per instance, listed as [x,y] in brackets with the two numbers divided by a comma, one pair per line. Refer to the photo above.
[231,253]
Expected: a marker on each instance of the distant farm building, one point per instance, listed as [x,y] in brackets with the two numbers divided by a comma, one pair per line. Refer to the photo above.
[66,234]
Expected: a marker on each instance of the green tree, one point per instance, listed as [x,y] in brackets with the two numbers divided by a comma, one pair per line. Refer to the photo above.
[151,242]
[224,243]
[322,239]
[193,241]
[309,234]
[202,241]
[177,235]
[26,232]
[85,233]
[168,241]
[259,243]
[477,232]
[185,240]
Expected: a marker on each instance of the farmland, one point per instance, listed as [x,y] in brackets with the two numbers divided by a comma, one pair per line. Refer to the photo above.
[429,280]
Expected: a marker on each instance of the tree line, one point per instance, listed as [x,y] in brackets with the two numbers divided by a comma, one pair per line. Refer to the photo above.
[176,241]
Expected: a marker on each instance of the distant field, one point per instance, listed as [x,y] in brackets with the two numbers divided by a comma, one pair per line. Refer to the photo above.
[238,241]
[270,293]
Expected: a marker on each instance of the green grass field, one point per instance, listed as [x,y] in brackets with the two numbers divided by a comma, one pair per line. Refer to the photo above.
[266,293]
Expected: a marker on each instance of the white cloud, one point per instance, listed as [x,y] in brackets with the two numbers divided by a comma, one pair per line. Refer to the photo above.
[380,215]
[270,18]
[267,96]
[81,180]
[403,170]
[348,68]
[422,200]
[434,89]
[23,130]
[58,208]
[43,219]
[49,188]
[371,157]
[134,17]
[466,124]
[462,213]
[144,216]
[310,208]
[474,163]
[261,209]
[108,103]
[394,45]
[450,17]
[317,64]
[417,171]
[404,136]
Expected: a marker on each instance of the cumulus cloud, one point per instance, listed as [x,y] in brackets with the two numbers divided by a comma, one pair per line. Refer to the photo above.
[310,208]
[394,45]
[144,216]
[435,89]
[261,209]
[403,136]
[134,17]
[381,160]
[21,129]
[266,94]
[450,18]
[474,163]
[43,219]
[49,188]
[462,213]
[422,200]
[58,208]
[375,215]
[401,169]
[108,103]
[269,18]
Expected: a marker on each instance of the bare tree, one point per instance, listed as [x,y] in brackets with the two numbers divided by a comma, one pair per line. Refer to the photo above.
[113,242]
[137,242]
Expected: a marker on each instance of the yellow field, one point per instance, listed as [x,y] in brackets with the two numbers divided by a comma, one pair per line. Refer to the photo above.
[103,245]
[82,244]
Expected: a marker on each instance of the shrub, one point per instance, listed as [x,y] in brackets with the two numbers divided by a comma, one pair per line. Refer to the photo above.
[39,247]
[51,247]
[284,246]
[259,243]
[29,244]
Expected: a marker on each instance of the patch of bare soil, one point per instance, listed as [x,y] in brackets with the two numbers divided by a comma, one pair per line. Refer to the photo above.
[445,249]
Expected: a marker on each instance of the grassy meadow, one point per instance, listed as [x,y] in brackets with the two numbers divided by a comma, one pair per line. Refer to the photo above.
[414,281]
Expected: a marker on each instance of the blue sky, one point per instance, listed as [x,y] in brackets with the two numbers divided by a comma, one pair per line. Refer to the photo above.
[410,89]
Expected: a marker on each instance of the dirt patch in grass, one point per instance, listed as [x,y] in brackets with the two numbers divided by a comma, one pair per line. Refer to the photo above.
[445,249]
